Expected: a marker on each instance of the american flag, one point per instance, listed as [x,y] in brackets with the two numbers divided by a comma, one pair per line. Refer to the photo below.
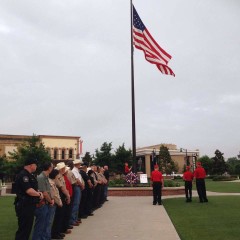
[143,40]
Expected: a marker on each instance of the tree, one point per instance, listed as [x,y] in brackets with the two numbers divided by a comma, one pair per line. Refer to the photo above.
[104,156]
[87,158]
[31,146]
[219,165]
[207,163]
[166,164]
[233,165]
[121,156]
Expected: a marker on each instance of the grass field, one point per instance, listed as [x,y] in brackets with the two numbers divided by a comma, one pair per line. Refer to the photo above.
[216,220]
[8,219]
[218,186]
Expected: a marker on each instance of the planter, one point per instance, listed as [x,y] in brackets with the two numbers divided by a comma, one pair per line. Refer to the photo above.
[144,191]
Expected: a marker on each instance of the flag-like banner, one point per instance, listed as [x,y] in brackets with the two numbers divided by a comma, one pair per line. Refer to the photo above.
[143,40]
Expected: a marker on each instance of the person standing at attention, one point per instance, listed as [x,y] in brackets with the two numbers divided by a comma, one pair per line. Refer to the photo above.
[200,175]
[157,184]
[188,177]
[27,197]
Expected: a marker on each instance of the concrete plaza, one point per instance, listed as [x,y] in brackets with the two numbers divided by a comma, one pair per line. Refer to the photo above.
[126,218]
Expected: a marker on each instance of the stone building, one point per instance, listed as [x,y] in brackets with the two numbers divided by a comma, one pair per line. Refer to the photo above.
[60,148]
[146,156]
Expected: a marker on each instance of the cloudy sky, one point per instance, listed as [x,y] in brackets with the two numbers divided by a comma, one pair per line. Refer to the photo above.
[65,70]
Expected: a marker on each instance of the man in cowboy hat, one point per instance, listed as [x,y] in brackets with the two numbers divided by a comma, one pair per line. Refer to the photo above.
[157,184]
[58,227]
[200,175]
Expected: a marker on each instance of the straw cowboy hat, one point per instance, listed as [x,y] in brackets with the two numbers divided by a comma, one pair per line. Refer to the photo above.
[60,166]
[77,161]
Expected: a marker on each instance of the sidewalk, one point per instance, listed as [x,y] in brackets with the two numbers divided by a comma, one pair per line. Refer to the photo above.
[126,218]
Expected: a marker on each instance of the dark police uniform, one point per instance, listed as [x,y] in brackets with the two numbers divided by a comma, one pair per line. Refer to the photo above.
[25,204]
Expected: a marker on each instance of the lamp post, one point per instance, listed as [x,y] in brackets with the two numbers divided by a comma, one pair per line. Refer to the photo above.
[186,157]
[153,158]
[194,159]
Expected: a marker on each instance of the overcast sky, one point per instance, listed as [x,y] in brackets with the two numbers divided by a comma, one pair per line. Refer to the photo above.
[65,70]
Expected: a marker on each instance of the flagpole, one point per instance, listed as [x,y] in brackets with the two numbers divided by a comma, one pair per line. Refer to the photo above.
[133,95]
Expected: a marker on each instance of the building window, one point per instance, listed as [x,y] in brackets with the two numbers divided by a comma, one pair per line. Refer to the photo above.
[70,153]
[55,154]
[63,154]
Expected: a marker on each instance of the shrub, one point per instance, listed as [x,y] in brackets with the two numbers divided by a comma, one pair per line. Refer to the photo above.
[223,178]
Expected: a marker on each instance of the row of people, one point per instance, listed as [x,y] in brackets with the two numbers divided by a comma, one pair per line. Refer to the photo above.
[58,198]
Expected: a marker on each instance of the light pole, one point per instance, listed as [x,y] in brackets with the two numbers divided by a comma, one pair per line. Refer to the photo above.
[194,159]
[186,157]
[153,159]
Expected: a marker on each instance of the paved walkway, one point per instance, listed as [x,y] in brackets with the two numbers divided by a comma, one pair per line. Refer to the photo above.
[126,218]
[130,218]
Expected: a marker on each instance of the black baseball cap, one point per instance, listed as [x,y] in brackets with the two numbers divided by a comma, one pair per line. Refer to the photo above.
[30,159]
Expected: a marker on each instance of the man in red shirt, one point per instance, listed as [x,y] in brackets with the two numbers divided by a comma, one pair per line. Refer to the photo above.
[188,177]
[200,175]
[127,169]
[157,184]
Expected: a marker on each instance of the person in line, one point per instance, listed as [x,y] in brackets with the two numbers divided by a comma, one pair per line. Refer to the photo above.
[107,176]
[57,202]
[200,175]
[42,208]
[188,178]
[58,227]
[78,188]
[86,206]
[27,197]
[157,184]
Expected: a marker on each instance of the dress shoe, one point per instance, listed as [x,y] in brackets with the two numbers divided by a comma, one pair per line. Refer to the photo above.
[90,214]
[57,237]
[70,227]
[84,216]
[76,224]
[154,203]
[160,203]
[68,231]
[62,235]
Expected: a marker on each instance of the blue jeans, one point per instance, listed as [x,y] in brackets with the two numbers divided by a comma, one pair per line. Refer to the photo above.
[39,232]
[49,221]
[106,191]
[77,194]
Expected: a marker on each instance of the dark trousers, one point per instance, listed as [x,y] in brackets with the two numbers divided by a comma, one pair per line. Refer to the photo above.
[201,189]
[96,196]
[188,189]
[58,221]
[25,214]
[157,192]
[83,202]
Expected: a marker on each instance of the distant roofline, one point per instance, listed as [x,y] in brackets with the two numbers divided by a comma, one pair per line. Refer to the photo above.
[41,136]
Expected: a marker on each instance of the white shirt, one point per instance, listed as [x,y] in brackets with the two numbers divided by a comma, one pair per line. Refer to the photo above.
[76,173]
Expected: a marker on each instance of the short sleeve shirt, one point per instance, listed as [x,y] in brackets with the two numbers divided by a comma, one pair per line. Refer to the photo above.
[43,183]
[71,177]
[59,181]
[25,181]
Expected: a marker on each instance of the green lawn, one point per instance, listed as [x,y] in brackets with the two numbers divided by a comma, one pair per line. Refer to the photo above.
[8,219]
[216,220]
[218,186]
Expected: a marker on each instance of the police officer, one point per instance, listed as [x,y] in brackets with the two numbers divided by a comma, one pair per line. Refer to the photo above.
[27,197]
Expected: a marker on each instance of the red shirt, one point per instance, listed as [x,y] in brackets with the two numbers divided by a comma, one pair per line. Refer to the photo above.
[199,173]
[156,176]
[188,176]
[127,169]
[68,186]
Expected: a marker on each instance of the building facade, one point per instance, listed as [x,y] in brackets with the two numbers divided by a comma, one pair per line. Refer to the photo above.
[147,155]
[60,148]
